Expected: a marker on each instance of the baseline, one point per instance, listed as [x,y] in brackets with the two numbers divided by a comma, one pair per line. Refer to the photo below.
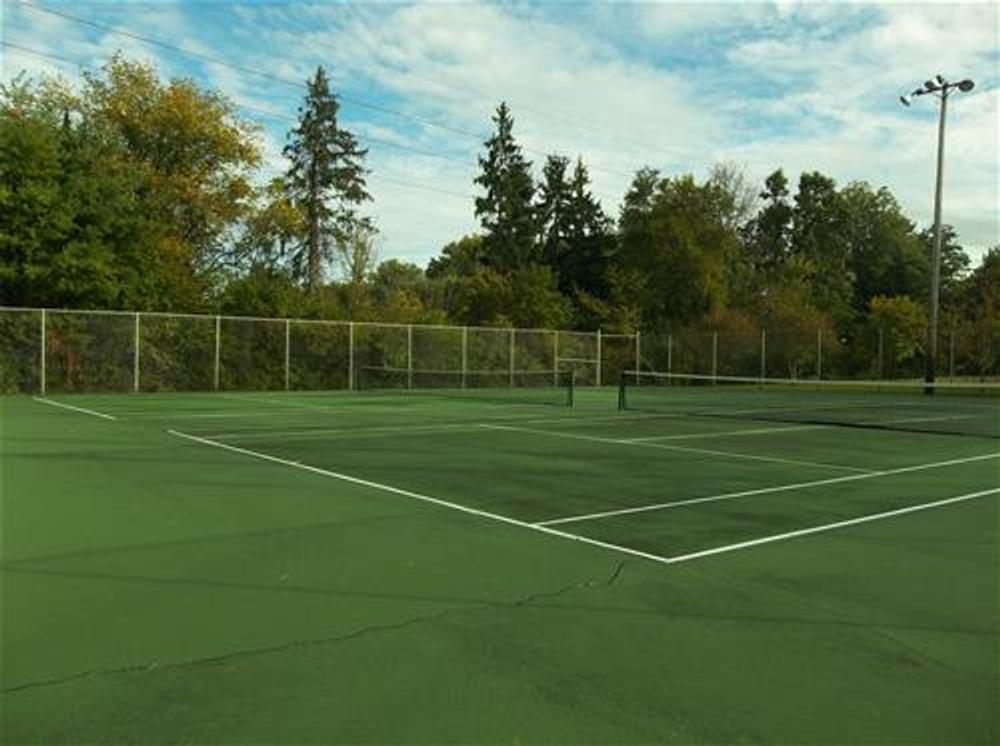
[83,410]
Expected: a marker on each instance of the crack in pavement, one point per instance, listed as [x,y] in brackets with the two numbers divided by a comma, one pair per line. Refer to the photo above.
[294,644]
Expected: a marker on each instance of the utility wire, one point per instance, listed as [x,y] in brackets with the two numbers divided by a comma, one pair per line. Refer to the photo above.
[353,9]
[285,81]
[374,175]
[248,70]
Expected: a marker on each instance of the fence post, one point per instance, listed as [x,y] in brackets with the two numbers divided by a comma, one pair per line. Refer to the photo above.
[350,356]
[638,352]
[135,356]
[598,376]
[763,354]
[218,336]
[670,354]
[465,353]
[555,357]
[715,356]
[41,357]
[881,371]
[288,341]
[819,354]
[951,355]
[510,357]
[409,356]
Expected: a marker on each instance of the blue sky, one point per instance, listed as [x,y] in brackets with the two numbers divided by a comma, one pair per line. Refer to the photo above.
[676,86]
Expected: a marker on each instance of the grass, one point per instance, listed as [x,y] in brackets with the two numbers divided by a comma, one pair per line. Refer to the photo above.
[162,589]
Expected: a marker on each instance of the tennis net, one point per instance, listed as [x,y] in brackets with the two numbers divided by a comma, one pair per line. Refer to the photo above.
[971,409]
[553,388]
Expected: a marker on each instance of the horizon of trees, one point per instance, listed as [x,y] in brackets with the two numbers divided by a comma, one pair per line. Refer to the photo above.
[131,192]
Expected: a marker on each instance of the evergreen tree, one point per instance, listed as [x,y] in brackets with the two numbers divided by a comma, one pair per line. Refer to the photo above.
[554,211]
[506,211]
[326,180]
[585,267]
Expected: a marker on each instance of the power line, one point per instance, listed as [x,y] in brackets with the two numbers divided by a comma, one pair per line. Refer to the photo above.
[376,176]
[353,9]
[248,70]
[285,81]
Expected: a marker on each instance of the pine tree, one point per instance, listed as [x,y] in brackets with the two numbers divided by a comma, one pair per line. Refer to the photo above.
[589,236]
[507,212]
[326,180]
[554,211]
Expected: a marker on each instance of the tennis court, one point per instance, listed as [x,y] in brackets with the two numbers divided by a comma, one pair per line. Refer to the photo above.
[674,564]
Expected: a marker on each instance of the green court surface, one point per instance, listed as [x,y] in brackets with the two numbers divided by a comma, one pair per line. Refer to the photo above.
[397,567]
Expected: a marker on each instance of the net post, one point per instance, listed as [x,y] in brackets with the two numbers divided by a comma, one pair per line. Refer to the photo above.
[218,339]
[621,391]
[350,356]
[41,355]
[670,353]
[465,354]
[819,353]
[638,351]
[288,340]
[135,356]
[510,357]
[715,357]
[763,354]
[572,387]
[409,356]
[598,359]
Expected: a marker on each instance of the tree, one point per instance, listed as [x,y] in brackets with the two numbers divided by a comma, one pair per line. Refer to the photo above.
[506,211]
[357,256]
[459,258]
[124,194]
[672,237]
[554,212]
[884,254]
[819,242]
[275,225]
[768,234]
[954,263]
[197,155]
[585,267]
[326,180]
[742,195]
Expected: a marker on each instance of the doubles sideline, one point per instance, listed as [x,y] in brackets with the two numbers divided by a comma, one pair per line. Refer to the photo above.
[662,559]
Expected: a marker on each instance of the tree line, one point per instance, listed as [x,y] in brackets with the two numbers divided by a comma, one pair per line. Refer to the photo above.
[128,191]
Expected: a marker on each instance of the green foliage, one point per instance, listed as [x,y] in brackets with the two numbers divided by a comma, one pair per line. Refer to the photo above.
[326,182]
[506,212]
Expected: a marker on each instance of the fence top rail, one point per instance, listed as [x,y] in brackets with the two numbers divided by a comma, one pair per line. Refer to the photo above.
[277,319]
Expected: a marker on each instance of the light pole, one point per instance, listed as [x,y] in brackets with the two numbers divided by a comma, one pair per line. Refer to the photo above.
[942,89]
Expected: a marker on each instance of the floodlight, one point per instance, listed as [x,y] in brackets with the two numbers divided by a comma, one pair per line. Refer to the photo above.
[940,79]
[905,100]
[966,85]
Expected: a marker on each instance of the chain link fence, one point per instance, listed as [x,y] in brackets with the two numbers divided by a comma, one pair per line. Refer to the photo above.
[63,351]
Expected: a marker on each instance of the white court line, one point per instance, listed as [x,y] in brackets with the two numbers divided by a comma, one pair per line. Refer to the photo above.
[417,496]
[921,419]
[575,537]
[92,412]
[727,433]
[682,449]
[829,526]
[765,490]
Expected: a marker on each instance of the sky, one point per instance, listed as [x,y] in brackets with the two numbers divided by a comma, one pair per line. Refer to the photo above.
[675,86]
